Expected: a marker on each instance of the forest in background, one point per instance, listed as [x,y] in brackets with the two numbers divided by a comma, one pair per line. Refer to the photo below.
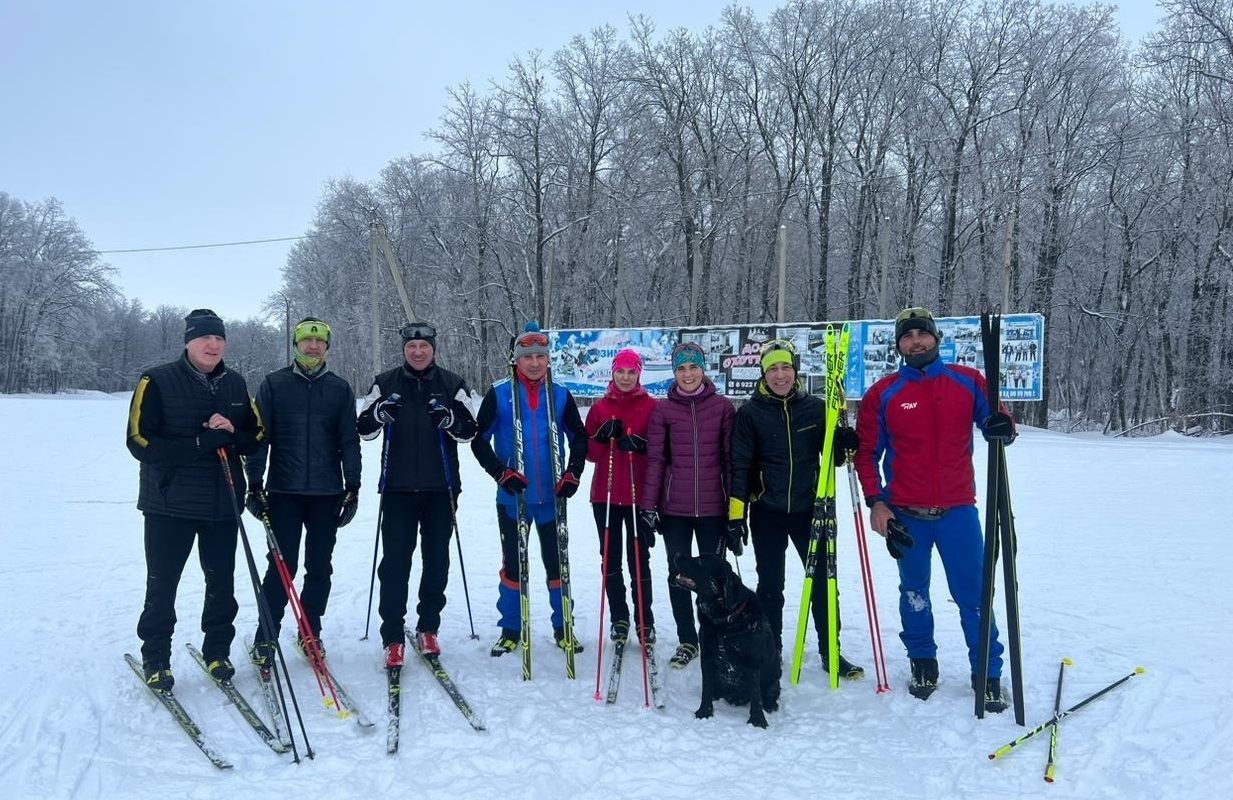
[962,156]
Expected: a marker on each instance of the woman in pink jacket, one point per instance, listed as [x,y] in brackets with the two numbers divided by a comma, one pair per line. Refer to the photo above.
[687,477]
[617,425]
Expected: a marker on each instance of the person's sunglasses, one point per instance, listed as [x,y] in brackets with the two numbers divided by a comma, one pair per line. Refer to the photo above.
[778,344]
[417,330]
[913,313]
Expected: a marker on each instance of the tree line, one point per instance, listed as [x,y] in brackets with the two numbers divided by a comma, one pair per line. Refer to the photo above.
[963,156]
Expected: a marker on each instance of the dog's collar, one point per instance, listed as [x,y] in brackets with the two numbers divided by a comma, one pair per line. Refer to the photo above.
[736,612]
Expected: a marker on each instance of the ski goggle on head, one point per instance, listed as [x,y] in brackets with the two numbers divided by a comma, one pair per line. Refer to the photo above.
[779,351]
[915,318]
[418,330]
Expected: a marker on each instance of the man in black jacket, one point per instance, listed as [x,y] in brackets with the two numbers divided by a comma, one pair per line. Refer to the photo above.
[314,481]
[776,442]
[421,408]
[181,414]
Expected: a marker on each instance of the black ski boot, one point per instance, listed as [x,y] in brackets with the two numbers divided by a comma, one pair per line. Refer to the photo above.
[559,635]
[847,670]
[995,701]
[924,678]
[506,643]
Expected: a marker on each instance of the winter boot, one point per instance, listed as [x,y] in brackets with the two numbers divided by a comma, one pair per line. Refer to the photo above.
[559,635]
[995,701]
[685,653]
[924,678]
[394,655]
[648,636]
[847,670]
[506,643]
[619,632]
[426,643]
[159,677]
[221,669]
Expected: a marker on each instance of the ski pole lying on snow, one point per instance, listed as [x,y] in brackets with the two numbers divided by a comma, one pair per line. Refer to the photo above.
[1057,709]
[1006,748]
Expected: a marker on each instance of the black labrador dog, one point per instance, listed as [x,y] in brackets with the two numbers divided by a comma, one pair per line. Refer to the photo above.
[740,662]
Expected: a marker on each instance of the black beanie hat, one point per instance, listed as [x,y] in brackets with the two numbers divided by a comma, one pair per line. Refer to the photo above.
[919,319]
[203,322]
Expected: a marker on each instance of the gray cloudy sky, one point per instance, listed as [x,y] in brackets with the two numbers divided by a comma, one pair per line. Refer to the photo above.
[166,123]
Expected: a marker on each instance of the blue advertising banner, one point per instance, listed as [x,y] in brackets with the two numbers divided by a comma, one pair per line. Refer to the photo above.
[582,359]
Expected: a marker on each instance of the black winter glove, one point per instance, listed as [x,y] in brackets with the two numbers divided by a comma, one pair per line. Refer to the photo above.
[632,443]
[651,520]
[512,481]
[897,538]
[999,427]
[386,410]
[646,531]
[736,536]
[350,502]
[212,439]
[567,486]
[608,431]
[256,501]
[846,441]
[440,414]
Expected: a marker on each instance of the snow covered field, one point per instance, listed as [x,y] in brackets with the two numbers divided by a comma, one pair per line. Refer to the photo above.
[1124,560]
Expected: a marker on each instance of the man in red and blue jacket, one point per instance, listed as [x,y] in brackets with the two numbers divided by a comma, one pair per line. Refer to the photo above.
[494,448]
[915,466]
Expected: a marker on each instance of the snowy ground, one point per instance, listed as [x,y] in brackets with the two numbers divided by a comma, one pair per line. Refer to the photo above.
[1122,562]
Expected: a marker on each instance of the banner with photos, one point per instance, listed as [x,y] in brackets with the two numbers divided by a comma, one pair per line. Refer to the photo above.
[582,358]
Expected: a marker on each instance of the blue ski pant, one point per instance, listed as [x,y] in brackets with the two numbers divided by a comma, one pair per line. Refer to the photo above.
[957,536]
[543,515]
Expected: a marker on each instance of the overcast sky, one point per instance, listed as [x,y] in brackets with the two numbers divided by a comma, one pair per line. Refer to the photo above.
[172,123]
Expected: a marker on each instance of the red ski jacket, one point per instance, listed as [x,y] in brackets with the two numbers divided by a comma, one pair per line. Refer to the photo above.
[915,429]
[633,409]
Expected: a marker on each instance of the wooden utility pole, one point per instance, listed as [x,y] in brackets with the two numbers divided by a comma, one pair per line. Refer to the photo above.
[884,280]
[783,271]
[373,277]
[1008,256]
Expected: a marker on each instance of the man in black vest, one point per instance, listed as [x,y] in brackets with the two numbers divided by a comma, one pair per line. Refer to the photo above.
[314,481]
[421,409]
[181,414]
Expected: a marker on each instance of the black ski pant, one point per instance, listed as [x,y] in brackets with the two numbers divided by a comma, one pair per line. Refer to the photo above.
[679,534]
[317,516]
[402,513]
[621,528]
[770,532]
[168,542]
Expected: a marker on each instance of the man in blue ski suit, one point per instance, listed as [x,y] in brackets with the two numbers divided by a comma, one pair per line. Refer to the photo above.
[494,448]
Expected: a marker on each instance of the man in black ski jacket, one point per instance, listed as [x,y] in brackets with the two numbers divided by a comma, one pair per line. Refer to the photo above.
[776,442]
[421,408]
[181,413]
[314,480]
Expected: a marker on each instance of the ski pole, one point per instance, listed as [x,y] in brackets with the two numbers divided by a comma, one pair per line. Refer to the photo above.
[633,494]
[1057,708]
[266,618]
[871,602]
[372,578]
[449,485]
[603,576]
[1006,748]
[308,638]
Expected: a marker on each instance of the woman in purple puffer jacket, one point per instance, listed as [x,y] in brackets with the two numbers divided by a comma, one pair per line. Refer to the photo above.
[688,464]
